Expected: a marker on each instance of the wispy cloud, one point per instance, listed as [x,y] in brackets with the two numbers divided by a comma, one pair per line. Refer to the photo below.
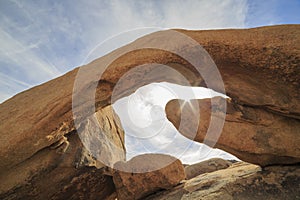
[10,86]
[261,13]
[29,64]
[271,12]
[43,39]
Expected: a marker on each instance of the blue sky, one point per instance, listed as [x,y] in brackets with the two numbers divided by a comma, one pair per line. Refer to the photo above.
[43,39]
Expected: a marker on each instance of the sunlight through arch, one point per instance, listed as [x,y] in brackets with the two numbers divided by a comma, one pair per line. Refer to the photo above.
[147,130]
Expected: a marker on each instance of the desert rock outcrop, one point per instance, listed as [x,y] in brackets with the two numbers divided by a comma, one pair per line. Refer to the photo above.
[253,134]
[66,170]
[206,166]
[239,181]
[159,172]
[42,156]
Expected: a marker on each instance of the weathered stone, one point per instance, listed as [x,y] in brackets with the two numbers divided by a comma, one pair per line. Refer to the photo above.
[239,181]
[130,184]
[260,69]
[206,166]
[262,119]
[245,58]
[52,175]
[67,171]
[251,133]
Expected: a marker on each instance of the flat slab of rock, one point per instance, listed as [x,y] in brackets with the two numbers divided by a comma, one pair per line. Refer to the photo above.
[206,166]
[239,181]
[133,185]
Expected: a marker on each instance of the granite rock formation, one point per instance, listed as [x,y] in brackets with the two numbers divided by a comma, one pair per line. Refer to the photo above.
[62,170]
[250,133]
[261,76]
[162,172]
[42,156]
[239,181]
[206,166]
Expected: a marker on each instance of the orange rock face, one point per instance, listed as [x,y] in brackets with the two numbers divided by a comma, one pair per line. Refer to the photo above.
[239,181]
[133,185]
[67,170]
[206,166]
[251,133]
[260,70]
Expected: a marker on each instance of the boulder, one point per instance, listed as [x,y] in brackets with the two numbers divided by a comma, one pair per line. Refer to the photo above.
[206,166]
[146,174]
[239,181]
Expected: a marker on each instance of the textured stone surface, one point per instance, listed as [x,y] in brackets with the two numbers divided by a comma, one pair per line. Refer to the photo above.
[132,185]
[67,173]
[239,181]
[206,166]
[52,175]
[253,134]
[260,69]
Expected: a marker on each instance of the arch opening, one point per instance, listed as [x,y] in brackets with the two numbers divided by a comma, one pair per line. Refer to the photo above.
[147,129]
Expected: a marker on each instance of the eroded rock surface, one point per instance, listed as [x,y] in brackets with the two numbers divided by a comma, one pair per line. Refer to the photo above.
[239,181]
[159,172]
[259,67]
[206,166]
[68,171]
[253,134]
[260,76]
